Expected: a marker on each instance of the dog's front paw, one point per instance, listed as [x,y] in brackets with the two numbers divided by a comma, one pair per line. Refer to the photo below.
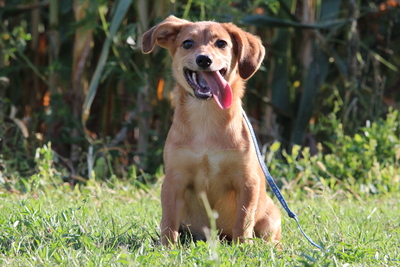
[169,237]
[242,236]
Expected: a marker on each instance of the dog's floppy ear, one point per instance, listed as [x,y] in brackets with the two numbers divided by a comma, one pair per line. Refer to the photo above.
[250,51]
[163,34]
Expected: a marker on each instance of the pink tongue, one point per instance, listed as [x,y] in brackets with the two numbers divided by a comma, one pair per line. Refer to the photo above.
[220,88]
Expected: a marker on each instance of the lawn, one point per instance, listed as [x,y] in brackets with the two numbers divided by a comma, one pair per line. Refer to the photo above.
[116,225]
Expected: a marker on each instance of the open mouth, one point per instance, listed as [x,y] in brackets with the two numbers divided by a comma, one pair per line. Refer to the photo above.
[210,84]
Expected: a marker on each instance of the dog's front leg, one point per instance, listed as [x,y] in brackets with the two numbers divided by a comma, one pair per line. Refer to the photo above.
[246,206]
[172,206]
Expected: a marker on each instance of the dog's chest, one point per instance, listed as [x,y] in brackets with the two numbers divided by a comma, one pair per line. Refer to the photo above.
[205,169]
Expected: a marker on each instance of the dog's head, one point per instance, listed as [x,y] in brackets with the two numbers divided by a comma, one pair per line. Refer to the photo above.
[207,56]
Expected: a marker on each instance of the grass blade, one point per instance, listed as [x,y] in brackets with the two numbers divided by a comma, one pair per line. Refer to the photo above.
[118,16]
[316,75]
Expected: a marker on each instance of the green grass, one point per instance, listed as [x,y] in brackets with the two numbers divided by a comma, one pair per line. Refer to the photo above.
[99,225]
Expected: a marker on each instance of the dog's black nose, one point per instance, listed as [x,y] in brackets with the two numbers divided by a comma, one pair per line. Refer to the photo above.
[203,61]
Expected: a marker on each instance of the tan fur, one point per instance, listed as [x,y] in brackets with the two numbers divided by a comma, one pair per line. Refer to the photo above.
[209,149]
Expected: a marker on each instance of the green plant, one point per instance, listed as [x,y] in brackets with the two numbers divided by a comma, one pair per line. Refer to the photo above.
[365,163]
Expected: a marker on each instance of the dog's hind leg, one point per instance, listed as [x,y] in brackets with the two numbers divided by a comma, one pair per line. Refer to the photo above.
[269,227]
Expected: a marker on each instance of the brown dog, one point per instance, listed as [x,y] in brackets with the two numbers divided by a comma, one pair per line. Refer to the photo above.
[209,149]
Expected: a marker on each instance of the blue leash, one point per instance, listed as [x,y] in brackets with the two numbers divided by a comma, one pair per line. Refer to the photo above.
[272,183]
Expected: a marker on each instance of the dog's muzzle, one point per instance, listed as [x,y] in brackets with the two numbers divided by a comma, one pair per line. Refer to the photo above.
[210,84]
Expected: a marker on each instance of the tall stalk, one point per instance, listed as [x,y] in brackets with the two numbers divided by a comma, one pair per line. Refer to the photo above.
[82,44]
[143,95]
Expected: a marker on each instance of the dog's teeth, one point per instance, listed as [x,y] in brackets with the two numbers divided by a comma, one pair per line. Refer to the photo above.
[194,77]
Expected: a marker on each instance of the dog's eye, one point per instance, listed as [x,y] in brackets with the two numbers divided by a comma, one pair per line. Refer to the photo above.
[221,44]
[187,44]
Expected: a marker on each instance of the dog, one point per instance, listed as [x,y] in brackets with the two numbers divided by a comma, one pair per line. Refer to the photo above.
[209,149]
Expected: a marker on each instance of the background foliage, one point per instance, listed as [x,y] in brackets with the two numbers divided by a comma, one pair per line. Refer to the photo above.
[72,73]
[84,115]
